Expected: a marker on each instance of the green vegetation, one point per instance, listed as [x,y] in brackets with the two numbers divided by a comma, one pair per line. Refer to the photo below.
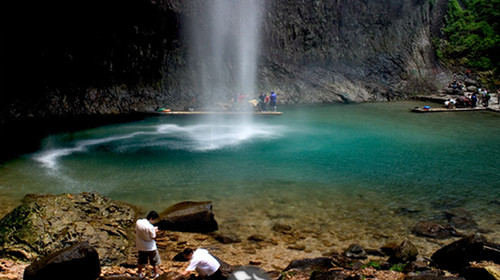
[471,33]
[373,264]
[398,267]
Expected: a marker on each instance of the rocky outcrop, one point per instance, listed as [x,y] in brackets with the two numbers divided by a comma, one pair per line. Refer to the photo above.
[132,56]
[344,51]
[44,224]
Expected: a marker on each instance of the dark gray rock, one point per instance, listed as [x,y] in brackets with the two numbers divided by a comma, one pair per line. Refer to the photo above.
[478,273]
[330,275]
[457,255]
[79,262]
[311,264]
[189,216]
[355,251]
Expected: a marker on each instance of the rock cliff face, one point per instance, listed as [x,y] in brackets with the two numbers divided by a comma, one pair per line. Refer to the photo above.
[343,51]
[110,57]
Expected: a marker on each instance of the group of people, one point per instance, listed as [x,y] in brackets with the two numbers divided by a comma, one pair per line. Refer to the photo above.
[200,260]
[266,102]
[470,101]
[262,103]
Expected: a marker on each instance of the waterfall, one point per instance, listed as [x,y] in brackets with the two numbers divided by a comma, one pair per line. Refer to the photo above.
[224,46]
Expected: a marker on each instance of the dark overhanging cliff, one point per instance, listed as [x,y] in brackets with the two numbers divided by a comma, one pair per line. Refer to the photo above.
[94,57]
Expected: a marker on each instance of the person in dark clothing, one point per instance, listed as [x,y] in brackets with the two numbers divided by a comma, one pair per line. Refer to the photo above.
[273,100]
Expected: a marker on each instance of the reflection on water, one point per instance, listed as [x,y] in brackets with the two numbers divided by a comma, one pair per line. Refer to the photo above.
[361,173]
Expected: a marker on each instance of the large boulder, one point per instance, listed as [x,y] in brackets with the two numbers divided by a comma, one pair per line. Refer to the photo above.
[189,216]
[459,254]
[43,224]
[78,262]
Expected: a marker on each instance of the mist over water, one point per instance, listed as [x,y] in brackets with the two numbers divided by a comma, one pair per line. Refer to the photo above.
[224,48]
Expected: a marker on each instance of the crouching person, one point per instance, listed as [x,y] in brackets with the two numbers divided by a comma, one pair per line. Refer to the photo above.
[203,263]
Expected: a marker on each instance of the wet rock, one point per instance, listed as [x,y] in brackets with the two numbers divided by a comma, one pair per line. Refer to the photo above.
[256,238]
[459,254]
[47,223]
[404,253]
[310,264]
[227,238]
[434,230]
[407,212]
[79,262]
[189,216]
[283,228]
[355,251]
[460,218]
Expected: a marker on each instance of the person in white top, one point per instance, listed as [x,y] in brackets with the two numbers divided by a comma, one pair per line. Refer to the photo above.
[205,264]
[145,235]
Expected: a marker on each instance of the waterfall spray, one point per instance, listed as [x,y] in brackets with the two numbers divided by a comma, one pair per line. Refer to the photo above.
[224,47]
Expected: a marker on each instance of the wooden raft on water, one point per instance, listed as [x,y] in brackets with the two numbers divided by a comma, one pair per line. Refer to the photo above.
[270,113]
[435,110]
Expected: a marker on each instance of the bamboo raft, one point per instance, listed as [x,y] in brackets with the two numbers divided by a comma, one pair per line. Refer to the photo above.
[268,113]
[438,110]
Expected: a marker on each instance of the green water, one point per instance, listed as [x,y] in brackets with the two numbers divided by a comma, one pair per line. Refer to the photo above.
[339,171]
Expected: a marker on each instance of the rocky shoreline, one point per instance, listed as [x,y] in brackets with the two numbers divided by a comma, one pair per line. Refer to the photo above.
[46,225]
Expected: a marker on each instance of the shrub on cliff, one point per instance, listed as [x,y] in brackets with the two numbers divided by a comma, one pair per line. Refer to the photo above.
[472,35]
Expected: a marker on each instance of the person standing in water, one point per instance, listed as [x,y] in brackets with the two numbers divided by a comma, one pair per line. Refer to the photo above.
[145,235]
[273,101]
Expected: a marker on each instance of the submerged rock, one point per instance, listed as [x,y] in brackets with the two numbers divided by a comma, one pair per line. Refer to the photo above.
[189,216]
[434,230]
[460,218]
[43,224]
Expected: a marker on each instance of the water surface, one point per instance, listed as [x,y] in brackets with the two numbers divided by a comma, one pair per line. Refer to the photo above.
[341,173]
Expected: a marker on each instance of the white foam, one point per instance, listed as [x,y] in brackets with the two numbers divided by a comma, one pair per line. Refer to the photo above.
[199,137]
